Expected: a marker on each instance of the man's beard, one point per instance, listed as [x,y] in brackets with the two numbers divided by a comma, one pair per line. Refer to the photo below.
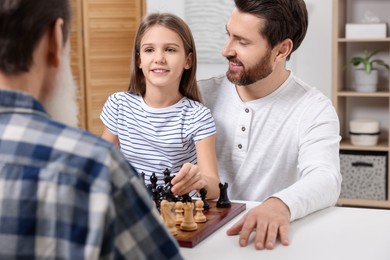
[251,75]
[62,104]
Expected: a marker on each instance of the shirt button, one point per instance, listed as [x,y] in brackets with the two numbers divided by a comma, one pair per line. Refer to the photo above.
[246,110]
[239,146]
[243,129]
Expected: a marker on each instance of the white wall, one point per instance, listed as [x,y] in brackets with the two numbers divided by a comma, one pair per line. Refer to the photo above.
[311,62]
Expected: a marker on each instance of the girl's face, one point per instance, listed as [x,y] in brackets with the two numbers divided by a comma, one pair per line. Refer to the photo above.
[163,58]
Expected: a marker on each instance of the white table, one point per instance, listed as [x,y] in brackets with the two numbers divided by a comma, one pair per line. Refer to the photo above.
[336,233]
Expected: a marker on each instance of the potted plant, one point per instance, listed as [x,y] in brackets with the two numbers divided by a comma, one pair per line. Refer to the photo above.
[366,76]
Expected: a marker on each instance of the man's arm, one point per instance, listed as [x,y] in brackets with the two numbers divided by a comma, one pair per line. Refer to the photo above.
[136,227]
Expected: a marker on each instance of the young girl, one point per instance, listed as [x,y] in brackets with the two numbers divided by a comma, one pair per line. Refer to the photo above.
[160,123]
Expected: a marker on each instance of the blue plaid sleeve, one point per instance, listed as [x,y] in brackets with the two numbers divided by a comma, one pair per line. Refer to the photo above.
[135,227]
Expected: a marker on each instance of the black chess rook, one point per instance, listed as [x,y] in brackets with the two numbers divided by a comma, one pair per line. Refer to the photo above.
[223,201]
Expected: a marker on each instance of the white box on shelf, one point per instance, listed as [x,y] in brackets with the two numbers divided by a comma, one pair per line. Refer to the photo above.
[365,30]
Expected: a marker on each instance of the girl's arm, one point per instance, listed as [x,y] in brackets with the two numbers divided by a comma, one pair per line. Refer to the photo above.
[110,137]
[207,163]
[203,175]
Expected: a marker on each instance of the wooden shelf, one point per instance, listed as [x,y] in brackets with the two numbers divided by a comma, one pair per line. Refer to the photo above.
[364,40]
[381,146]
[351,93]
[350,104]
[364,203]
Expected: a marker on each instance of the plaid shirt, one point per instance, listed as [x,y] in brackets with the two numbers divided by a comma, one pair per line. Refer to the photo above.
[67,194]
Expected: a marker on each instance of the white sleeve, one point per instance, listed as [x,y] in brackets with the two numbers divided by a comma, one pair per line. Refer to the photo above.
[320,179]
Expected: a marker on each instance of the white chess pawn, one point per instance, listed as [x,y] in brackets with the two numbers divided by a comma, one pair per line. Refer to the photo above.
[179,212]
[199,216]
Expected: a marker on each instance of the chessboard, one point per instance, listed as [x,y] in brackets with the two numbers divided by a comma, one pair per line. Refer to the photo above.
[216,218]
[179,212]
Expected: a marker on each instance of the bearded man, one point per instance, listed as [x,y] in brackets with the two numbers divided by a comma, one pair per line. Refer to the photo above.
[278,138]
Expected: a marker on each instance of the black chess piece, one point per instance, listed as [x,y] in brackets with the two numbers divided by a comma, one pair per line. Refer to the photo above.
[203,194]
[147,186]
[156,198]
[167,188]
[167,176]
[153,180]
[186,198]
[223,201]
[177,198]
[167,191]
[160,192]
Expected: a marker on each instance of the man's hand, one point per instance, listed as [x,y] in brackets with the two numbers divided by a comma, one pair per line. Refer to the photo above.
[270,220]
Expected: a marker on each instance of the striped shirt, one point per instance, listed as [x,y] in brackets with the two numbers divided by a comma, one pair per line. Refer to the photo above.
[67,194]
[153,139]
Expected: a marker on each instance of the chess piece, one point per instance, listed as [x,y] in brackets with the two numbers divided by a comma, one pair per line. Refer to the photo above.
[167,176]
[168,216]
[199,216]
[167,193]
[186,198]
[179,212]
[223,201]
[156,198]
[148,186]
[203,194]
[153,180]
[165,190]
[188,223]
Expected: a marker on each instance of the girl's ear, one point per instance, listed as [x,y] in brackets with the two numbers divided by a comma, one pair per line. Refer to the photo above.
[189,61]
[138,61]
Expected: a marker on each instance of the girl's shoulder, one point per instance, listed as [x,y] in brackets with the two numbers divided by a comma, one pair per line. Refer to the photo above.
[192,104]
[195,108]
[124,96]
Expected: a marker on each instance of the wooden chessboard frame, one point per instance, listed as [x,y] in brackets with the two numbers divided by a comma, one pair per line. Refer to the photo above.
[216,218]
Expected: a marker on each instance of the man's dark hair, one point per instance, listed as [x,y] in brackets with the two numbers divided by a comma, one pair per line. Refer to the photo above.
[22,25]
[284,19]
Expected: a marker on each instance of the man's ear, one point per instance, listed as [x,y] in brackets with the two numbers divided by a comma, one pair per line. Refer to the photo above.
[284,49]
[56,44]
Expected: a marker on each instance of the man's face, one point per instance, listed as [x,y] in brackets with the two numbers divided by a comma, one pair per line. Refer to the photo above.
[248,52]
[62,103]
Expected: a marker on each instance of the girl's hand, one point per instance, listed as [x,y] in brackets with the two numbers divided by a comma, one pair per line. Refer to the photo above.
[187,179]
